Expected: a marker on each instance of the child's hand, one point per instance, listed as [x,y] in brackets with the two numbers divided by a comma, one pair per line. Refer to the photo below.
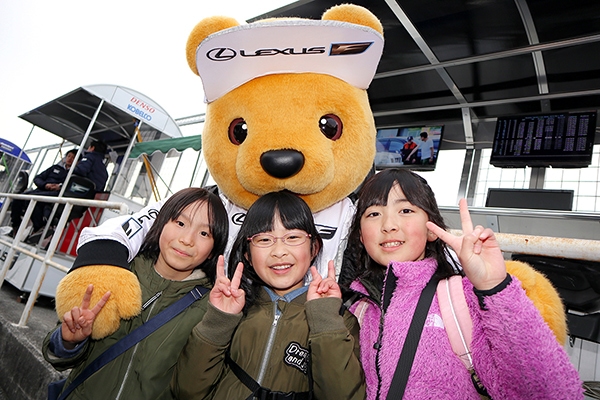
[226,295]
[478,251]
[320,287]
[77,323]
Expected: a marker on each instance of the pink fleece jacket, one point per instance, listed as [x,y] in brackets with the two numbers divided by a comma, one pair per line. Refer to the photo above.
[515,353]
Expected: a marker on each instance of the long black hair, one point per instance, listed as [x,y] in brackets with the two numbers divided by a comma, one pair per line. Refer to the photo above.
[261,217]
[374,192]
[218,223]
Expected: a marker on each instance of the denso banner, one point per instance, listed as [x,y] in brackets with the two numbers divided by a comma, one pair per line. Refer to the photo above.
[231,57]
[140,107]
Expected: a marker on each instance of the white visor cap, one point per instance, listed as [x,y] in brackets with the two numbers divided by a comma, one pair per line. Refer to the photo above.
[229,58]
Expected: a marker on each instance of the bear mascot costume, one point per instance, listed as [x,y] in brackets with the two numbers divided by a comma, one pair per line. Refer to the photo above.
[287,109]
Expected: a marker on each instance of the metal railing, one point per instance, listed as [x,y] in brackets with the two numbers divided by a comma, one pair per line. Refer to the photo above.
[551,233]
[577,249]
[15,246]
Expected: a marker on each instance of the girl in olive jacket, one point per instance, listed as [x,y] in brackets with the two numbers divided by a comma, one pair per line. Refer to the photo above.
[265,333]
[179,253]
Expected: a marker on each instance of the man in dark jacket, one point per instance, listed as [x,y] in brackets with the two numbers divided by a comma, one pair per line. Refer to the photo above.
[48,183]
[92,166]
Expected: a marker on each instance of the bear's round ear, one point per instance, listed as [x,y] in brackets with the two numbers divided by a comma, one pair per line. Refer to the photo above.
[353,14]
[201,31]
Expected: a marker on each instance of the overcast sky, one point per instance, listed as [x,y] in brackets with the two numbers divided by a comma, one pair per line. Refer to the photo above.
[49,48]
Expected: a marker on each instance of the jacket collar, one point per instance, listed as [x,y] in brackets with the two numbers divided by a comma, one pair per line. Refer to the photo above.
[414,273]
[409,273]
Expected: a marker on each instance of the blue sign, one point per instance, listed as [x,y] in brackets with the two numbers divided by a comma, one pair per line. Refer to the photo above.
[12,149]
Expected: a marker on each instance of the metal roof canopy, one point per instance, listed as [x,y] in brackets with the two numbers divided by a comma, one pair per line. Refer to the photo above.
[465,63]
[113,110]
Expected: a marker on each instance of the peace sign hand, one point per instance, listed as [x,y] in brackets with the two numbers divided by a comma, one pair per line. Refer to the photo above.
[477,249]
[77,323]
[320,287]
[226,294]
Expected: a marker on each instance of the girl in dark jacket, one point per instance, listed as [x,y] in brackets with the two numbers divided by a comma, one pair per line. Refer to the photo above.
[265,333]
[179,253]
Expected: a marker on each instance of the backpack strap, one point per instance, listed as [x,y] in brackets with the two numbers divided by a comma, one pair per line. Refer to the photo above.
[361,309]
[459,325]
[456,317]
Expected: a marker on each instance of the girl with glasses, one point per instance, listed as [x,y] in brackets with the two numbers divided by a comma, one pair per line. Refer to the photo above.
[266,334]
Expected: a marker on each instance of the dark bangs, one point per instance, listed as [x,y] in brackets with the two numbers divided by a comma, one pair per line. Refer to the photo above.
[416,189]
[294,214]
[172,209]
[292,210]
[374,192]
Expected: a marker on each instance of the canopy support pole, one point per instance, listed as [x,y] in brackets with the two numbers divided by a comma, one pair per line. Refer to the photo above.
[124,159]
[195,167]
[26,140]
[169,191]
[14,173]
[149,170]
[70,170]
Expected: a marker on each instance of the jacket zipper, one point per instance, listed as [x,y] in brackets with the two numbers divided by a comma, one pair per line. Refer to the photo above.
[269,348]
[152,302]
[377,347]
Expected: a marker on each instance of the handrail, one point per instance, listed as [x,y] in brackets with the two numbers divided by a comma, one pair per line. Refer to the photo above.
[46,258]
[530,231]
[577,249]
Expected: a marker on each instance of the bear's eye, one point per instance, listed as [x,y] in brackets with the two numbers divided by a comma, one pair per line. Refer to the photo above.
[331,126]
[238,130]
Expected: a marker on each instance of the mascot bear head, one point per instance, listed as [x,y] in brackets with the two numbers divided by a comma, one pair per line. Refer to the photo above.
[287,103]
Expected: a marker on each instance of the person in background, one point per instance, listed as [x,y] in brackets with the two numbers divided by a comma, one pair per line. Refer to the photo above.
[48,183]
[92,165]
[179,253]
[426,147]
[408,147]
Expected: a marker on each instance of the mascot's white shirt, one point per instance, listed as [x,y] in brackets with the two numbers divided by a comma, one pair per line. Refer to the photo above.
[333,223]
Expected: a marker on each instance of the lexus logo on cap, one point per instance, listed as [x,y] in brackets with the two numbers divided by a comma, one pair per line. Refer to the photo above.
[221,54]
[337,49]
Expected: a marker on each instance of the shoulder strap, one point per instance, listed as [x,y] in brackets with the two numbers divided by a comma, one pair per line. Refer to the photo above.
[261,392]
[411,342]
[456,317]
[136,336]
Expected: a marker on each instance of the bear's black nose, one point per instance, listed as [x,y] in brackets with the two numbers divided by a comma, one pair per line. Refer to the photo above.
[282,163]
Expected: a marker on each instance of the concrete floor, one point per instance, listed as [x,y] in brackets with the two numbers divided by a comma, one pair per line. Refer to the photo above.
[25,373]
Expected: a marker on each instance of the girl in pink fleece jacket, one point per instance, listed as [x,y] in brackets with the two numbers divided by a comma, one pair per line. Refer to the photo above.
[515,354]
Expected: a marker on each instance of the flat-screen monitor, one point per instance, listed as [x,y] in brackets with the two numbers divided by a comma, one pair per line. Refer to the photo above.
[560,140]
[536,199]
[414,147]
